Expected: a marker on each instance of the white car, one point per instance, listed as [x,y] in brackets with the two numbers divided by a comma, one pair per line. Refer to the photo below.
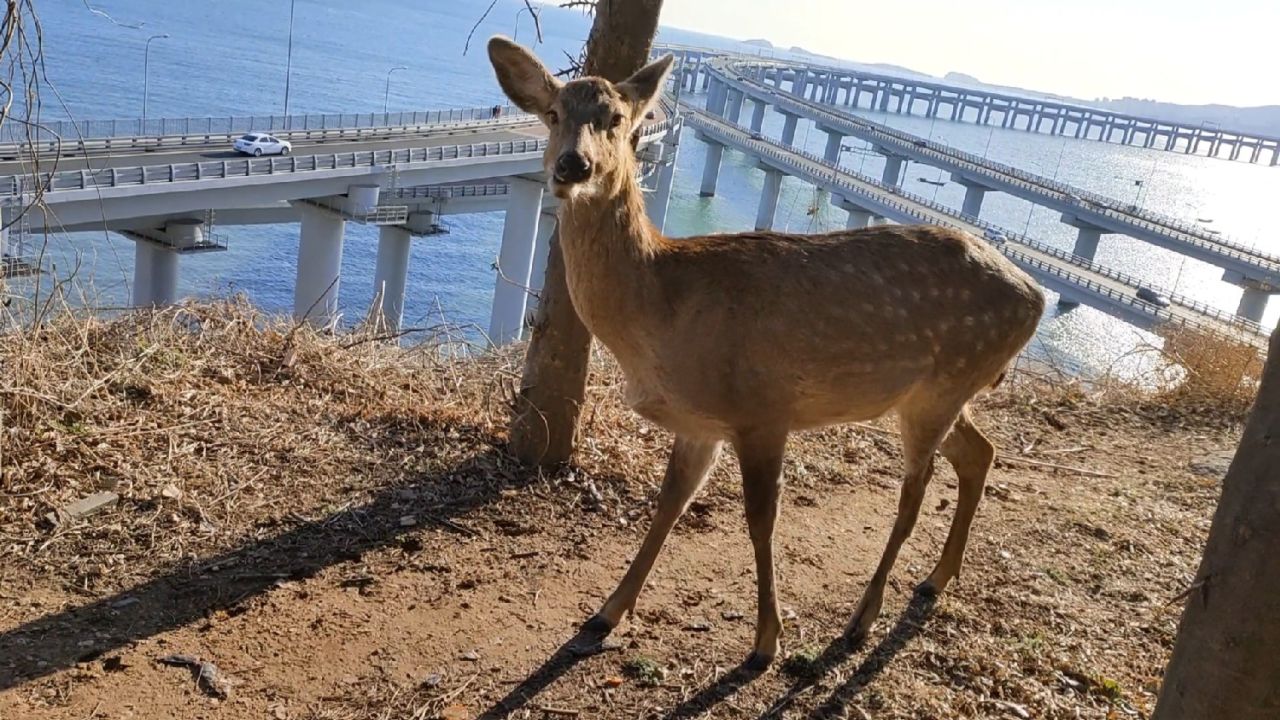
[259,144]
[993,236]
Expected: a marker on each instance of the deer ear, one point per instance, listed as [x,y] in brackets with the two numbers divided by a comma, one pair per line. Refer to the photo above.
[523,78]
[642,88]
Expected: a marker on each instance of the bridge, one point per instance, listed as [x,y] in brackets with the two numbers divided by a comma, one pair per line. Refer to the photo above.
[399,172]
[1257,272]
[865,198]
[838,85]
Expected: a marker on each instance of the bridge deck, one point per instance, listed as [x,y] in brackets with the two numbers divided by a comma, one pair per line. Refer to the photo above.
[1089,281]
[1109,214]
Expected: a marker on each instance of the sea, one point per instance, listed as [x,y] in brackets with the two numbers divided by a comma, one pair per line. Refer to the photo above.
[228,57]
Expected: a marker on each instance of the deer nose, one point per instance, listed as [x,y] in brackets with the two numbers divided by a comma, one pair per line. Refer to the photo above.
[573,167]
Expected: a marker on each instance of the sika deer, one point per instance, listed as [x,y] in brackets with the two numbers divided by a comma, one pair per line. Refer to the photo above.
[744,338]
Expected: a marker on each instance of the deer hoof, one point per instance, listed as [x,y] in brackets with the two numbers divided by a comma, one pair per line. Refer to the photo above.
[597,625]
[928,590]
[757,662]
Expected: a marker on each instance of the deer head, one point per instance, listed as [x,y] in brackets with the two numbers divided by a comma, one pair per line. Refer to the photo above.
[590,121]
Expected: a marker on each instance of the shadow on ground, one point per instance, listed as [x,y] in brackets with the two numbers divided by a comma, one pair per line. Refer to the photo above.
[193,591]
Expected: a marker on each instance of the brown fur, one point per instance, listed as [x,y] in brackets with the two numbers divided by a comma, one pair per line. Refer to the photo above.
[746,337]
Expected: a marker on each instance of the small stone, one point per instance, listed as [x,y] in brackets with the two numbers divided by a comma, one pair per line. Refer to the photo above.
[698,626]
[731,615]
[432,680]
[84,507]
[408,521]
[171,491]
[125,602]
[613,681]
[470,656]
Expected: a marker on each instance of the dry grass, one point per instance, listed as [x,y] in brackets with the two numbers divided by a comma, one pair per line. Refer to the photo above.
[243,447]
[1215,372]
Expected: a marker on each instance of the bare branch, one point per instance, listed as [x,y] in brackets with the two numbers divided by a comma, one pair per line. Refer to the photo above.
[467,45]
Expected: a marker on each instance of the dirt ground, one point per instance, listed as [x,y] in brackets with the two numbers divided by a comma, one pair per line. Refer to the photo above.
[338,531]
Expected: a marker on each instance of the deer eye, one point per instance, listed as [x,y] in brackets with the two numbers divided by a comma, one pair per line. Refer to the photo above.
[615,121]
[552,117]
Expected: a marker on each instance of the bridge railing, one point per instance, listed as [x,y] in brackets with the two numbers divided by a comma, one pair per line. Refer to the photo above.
[73,131]
[1183,231]
[836,179]
[205,134]
[24,185]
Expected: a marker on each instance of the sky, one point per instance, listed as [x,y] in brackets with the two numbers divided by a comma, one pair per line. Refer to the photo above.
[1180,51]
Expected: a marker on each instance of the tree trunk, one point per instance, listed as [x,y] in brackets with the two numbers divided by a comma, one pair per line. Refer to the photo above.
[1226,661]
[555,365]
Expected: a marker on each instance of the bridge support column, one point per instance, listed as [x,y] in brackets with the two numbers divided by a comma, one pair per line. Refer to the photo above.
[973,195]
[769,199]
[832,152]
[1087,242]
[858,217]
[757,116]
[538,274]
[155,274]
[711,170]
[390,273]
[515,261]
[315,291]
[656,202]
[736,98]
[789,128]
[892,175]
[1253,304]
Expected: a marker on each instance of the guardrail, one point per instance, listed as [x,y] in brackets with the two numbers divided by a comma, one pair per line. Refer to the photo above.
[436,120]
[453,191]
[21,185]
[68,131]
[1182,231]
[785,156]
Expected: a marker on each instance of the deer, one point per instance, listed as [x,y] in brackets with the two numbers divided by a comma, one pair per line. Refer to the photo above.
[745,338]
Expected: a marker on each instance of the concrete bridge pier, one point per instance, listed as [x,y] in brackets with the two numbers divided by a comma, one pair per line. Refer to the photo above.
[974,193]
[735,100]
[656,202]
[315,291]
[757,116]
[1253,301]
[892,175]
[859,217]
[768,198]
[390,273]
[155,274]
[538,274]
[515,261]
[789,123]
[717,96]
[831,153]
[711,168]
[1087,241]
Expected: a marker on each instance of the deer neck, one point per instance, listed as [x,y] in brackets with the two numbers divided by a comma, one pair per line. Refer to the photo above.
[609,246]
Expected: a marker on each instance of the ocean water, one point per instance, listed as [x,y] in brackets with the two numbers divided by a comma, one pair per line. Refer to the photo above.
[228,57]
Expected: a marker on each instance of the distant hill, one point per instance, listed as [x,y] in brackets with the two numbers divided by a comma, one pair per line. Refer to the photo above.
[758,42]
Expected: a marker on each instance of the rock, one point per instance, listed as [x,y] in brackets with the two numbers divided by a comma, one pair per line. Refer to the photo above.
[1213,465]
[470,656]
[698,626]
[731,615]
[171,492]
[124,602]
[408,521]
[84,507]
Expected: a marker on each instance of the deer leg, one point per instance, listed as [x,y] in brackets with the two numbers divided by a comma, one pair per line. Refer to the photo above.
[761,461]
[691,462]
[971,454]
[922,430]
